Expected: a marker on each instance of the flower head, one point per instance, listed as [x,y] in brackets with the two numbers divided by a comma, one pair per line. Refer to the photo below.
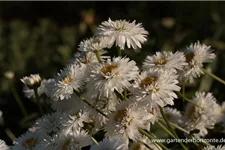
[196,54]
[123,32]
[112,75]
[93,44]
[203,116]
[163,61]
[32,82]
[219,147]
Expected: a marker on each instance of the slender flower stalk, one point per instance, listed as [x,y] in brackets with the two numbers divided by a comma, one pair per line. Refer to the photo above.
[188,100]
[19,101]
[213,76]
[170,127]
[38,101]
[164,128]
[98,56]
[151,137]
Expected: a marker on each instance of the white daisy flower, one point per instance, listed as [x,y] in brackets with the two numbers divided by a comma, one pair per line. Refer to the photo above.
[3,145]
[29,93]
[93,44]
[50,124]
[75,121]
[70,79]
[125,121]
[112,75]
[76,141]
[196,54]
[109,144]
[173,115]
[123,32]
[156,87]
[69,106]
[32,82]
[27,141]
[106,105]
[219,147]
[201,118]
[162,61]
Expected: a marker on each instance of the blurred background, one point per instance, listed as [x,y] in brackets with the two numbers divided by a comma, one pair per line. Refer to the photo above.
[40,37]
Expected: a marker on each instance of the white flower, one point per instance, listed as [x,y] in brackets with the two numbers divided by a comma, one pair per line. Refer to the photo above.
[27,141]
[162,61]
[123,32]
[42,89]
[93,44]
[125,121]
[201,118]
[50,124]
[33,81]
[75,141]
[156,87]
[110,76]
[73,122]
[109,144]
[173,115]
[219,147]
[196,54]
[3,145]
[70,79]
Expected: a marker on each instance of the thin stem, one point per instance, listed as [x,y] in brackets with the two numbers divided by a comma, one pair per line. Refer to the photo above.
[94,140]
[90,105]
[213,76]
[38,102]
[176,126]
[183,87]
[10,134]
[98,56]
[170,127]
[188,100]
[125,94]
[162,126]
[19,102]
[119,52]
[151,137]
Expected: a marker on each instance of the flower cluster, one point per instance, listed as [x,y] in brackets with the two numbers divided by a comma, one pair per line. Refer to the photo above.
[95,93]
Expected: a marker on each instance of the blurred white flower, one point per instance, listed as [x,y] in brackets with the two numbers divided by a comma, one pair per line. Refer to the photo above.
[156,87]
[3,145]
[32,82]
[42,89]
[140,146]
[70,79]
[125,121]
[173,115]
[50,124]
[110,144]
[75,141]
[201,118]
[219,147]
[93,44]
[123,32]
[27,141]
[196,54]
[163,61]
[112,75]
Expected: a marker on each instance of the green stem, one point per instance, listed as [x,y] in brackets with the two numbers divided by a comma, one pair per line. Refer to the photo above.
[90,105]
[98,56]
[183,88]
[119,52]
[213,76]
[38,101]
[125,94]
[151,137]
[170,127]
[162,126]
[19,102]
[188,100]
